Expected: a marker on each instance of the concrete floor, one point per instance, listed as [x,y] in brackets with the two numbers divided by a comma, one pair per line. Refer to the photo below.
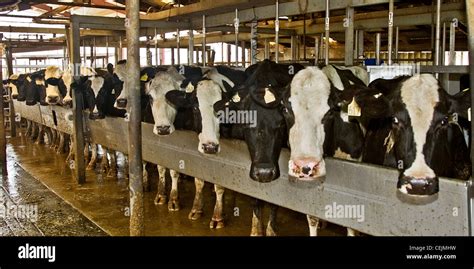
[103,202]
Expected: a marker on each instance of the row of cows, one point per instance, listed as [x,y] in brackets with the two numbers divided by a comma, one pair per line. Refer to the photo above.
[409,123]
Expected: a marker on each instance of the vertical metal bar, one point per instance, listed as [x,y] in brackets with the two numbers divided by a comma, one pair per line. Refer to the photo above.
[236,27]
[360,46]
[293,48]
[3,139]
[304,36]
[443,45]
[222,52]
[106,50]
[172,57]
[9,60]
[437,34]
[134,125]
[242,44]
[267,48]
[326,29]
[229,54]
[204,58]
[156,48]
[390,31]
[116,55]
[349,37]
[396,42]
[177,46]
[377,48]
[94,51]
[316,50]
[470,22]
[356,44]
[277,31]
[77,103]
[452,40]
[120,54]
[191,48]
[253,42]
[83,51]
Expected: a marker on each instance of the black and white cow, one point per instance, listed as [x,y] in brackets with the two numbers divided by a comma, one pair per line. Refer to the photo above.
[200,98]
[413,127]
[262,94]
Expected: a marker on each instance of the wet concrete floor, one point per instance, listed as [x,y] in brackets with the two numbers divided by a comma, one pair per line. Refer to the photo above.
[103,201]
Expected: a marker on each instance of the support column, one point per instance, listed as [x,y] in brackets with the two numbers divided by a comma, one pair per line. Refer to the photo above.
[349,37]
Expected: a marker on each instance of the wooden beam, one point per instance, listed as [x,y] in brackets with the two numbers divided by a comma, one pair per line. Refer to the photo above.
[54,11]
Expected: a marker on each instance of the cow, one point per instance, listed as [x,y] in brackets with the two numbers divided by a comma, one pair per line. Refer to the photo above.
[55,87]
[200,98]
[262,94]
[412,126]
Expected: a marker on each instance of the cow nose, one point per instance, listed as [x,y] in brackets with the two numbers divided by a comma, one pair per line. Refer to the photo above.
[163,129]
[30,102]
[53,99]
[67,103]
[418,186]
[121,103]
[263,173]
[14,96]
[94,116]
[306,170]
[210,148]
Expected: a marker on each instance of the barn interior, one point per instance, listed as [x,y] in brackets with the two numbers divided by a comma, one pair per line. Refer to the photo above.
[434,36]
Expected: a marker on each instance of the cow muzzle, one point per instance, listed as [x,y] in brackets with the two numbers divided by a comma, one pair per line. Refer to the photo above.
[96,116]
[162,130]
[53,100]
[306,169]
[418,186]
[121,103]
[264,172]
[67,102]
[14,96]
[210,148]
[30,102]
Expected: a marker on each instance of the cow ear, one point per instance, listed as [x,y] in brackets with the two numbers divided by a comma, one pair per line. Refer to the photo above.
[179,98]
[460,102]
[372,103]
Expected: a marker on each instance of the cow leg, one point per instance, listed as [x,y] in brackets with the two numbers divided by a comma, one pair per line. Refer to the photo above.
[61,143]
[173,203]
[93,161]
[352,232]
[113,164]
[49,135]
[87,154]
[313,224]
[70,156]
[257,226]
[104,163]
[160,198]
[146,181]
[28,128]
[217,220]
[271,226]
[40,138]
[54,137]
[196,211]
[34,131]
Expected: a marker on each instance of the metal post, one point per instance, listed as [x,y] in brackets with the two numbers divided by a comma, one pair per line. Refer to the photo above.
[83,51]
[356,44]
[267,48]
[452,41]
[277,31]
[316,50]
[470,22]
[156,48]
[191,48]
[204,40]
[304,36]
[3,139]
[293,47]
[236,26]
[253,42]
[229,54]
[106,50]
[177,46]
[377,48]
[9,60]
[443,45]
[120,54]
[349,37]
[360,46]
[134,125]
[242,44]
[438,22]
[390,31]
[94,51]
[396,42]
[116,55]
[77,103]
[326,41]
[149,56]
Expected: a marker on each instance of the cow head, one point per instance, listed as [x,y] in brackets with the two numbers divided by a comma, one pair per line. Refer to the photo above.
[52,76]
[121,73]
[12,82]
[164,113]
[35,89]
[420,139]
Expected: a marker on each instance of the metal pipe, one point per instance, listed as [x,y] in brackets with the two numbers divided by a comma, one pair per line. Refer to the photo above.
[156,48]
[396,42]
[242,45]
[304,36]
[316,49]
[377,48]
[120,48]
[356,44]
[106,50]
[326,41]
[134,125]
[452,41]
[191,47]
[94,51]
[204,57]
[390,31]
[253,42]
[177,46]
[236,26]
[277,31]
[437,34]
[3,139]
[267,48]
[443,45]
[84,51]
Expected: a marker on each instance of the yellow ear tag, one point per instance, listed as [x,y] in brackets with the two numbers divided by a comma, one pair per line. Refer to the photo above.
[353,109]
[469,114]
[269,96]
[144,78]
[190,88]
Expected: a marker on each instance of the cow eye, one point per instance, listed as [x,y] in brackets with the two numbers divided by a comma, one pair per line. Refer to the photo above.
[395,120]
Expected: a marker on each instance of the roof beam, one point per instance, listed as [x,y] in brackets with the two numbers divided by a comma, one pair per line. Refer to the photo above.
[54,11]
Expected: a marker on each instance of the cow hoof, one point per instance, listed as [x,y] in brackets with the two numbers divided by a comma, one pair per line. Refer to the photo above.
[173,205]
[195,214]
[256,233]
[160,199]
[112,173]
[216,224]
[270,232]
